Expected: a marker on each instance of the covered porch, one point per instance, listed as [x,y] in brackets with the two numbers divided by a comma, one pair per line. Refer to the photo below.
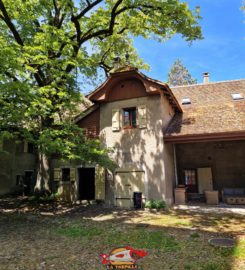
[211,172]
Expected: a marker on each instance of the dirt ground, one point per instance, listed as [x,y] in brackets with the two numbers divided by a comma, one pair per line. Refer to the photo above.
[59,236]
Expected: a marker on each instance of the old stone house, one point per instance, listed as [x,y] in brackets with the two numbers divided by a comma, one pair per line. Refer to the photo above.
[162,137]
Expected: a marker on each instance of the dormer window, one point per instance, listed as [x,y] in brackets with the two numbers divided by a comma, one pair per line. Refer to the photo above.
[237,96]
[186,101]
[129,117]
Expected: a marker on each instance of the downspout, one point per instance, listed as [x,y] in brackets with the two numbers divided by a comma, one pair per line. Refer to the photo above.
[175,167]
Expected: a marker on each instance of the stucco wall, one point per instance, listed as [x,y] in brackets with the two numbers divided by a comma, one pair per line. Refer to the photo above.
[13,162]
[226,159]
[142,148]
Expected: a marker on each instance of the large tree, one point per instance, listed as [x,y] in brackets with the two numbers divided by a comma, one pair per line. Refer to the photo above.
[44,44]
[180,75]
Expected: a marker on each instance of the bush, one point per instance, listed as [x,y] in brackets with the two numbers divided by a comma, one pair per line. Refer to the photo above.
[45,198]
[150,204]
[155,204]
[160,204]
[50,198]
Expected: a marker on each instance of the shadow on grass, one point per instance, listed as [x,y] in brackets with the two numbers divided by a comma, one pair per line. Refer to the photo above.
[175,240]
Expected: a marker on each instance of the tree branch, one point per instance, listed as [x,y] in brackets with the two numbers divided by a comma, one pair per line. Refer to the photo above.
[10,25]
[9,75]
[122,30]
[105,67]
[109,30]
[88,8]
[77,26]
[55,6]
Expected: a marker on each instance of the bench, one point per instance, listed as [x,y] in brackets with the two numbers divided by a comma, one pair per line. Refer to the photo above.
[233,195]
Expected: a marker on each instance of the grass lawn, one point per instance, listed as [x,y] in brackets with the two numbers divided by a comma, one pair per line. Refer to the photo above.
[33,239]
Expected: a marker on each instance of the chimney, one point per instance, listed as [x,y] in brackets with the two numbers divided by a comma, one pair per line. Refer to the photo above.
[205,77]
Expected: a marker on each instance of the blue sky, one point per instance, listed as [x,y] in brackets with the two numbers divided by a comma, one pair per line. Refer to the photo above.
[221,52]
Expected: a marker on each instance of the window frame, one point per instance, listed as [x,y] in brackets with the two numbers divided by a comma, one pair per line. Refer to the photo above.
[192,183]
[132,114]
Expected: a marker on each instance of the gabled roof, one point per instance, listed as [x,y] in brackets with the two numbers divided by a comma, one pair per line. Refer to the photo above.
[212,114]
[152,86]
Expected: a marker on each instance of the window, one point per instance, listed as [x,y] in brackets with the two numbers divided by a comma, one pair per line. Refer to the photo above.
[190,177]
[237,96]
[186,101]
[66,174]
[129,117]
[28,147]
[191,180]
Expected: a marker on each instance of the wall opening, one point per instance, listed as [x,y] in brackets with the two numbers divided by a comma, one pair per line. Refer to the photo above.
[65,174]
[86,178]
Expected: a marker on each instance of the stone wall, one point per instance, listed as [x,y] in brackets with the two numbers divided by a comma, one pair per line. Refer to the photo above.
[14,162]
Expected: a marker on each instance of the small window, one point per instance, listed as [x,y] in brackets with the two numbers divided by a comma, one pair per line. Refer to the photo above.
[190,177]
[237,96]
[28,147]
[66,174]
[129,117]
[19,180]
[186,101]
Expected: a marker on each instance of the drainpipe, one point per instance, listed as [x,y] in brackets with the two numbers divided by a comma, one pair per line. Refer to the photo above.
[175,166]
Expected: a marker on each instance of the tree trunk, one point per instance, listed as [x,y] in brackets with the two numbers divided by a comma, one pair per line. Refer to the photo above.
[43,175]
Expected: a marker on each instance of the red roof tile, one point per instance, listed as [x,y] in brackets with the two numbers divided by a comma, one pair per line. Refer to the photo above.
[212,109]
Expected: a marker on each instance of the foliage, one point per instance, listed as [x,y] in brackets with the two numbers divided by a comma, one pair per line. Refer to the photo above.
[46,44]
[179,75]
[155,204]
[46,198]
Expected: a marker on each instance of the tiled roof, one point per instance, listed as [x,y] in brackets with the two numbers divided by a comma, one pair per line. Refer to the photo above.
[212,109]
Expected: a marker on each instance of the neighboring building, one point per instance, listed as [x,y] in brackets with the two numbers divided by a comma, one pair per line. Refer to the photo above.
[209,136]
[188,135]
[17,170]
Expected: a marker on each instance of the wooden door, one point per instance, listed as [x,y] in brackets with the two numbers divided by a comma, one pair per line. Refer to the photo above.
[205,179]
[126,183]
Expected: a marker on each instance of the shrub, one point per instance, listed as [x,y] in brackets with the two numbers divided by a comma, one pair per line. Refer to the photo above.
[45,198]
[160,204]
[155,204]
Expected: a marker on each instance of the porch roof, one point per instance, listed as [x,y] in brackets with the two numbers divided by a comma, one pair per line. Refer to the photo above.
[212,114]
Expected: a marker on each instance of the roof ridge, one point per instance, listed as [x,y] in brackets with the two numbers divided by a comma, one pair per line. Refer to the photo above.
[189,85]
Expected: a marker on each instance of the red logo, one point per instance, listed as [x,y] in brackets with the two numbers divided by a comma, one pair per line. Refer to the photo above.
[122,258]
